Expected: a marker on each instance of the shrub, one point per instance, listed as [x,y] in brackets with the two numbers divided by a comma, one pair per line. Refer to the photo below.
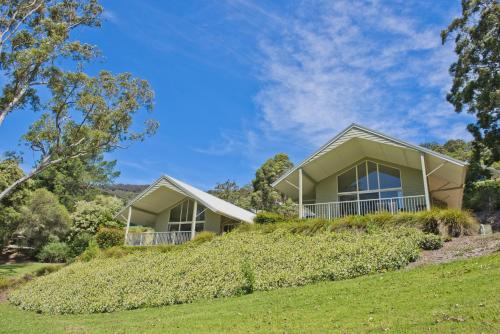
[54,252]
[483,196]
[430,242]
[109,237]
[79,243]
[229,265]
[91,252]
[202,237]
[268,218]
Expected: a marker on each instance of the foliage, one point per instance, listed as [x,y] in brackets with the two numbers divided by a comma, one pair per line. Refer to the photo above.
[109,237]
[90,215]
[456,297]
[484,196]
[440,222]
[430,242]
[455,148]
[12,275]
[125,192]
[232,193]
[203,236]
[265,197]
[77,179]
[54,252]
[35,39]
[10,207]
[41,218]
[268,218]
[79,243]
[85,117]
[476,73]
[225,266]
[91,252]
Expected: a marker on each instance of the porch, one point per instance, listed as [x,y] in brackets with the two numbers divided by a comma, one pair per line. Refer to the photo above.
[157,238]
[391,205]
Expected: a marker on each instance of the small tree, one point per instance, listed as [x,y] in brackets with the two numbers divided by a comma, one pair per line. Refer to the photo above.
[265,197]
[42,217]
[232,193]
[89,216]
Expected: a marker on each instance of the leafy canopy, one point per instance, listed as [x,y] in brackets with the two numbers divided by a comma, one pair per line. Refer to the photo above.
[476,73]
[34,37]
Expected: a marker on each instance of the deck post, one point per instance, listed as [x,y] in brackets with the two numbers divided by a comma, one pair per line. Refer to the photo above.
[301,209]
[128,223]
[193,223]
[426,186]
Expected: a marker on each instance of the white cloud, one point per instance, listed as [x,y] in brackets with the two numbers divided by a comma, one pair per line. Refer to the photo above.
[342,62]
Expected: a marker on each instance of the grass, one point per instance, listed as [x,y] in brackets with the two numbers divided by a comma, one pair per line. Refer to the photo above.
[17,270]
[458,297]
[15,274]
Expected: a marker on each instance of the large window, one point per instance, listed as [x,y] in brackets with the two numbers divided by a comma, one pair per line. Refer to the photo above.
[181,216]
[369,180]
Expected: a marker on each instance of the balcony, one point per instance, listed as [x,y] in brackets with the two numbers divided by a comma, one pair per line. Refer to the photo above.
[157,238]
[392,205]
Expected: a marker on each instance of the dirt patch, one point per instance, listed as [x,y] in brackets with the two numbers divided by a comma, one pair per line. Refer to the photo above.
[461,248]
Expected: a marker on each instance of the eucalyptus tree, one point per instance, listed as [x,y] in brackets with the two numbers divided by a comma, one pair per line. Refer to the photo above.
[476,73]
[86,116]
[35,35]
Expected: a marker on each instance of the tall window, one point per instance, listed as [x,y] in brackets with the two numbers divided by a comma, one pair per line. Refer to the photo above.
[369,180]
[181,216]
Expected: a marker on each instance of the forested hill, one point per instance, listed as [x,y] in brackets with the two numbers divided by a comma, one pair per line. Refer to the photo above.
[124,191]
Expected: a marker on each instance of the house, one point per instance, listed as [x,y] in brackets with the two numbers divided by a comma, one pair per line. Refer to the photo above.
[363,171]
[176,211]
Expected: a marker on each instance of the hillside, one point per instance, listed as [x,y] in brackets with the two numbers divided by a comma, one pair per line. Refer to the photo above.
[123,191]
[457,297]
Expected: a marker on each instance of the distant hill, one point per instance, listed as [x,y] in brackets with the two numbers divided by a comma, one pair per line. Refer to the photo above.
[124,191]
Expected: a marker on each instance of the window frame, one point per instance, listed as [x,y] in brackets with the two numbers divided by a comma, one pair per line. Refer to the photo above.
[369,190]
[178,224]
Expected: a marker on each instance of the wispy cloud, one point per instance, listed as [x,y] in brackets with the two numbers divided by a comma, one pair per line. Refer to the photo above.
[340,62]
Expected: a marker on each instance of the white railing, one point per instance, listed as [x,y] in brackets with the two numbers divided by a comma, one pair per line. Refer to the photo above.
[339,209]
[157,238]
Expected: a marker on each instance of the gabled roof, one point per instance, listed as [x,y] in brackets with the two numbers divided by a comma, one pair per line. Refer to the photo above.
[358,131]
[213,203]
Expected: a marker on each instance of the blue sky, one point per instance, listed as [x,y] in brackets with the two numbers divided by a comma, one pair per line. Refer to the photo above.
[238,81]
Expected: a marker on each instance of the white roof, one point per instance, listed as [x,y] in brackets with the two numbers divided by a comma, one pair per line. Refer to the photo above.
[212,202]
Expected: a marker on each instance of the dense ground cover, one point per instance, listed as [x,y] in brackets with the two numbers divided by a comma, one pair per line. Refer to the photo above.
[458,297]
[234,264]
[15,273]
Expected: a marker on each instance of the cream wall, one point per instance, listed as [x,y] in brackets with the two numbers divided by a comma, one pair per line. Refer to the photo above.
[411,179]
[212,222]
[161,223]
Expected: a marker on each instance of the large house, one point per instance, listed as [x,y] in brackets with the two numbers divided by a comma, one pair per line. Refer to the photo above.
[175,211]
[362,171]
[359,171]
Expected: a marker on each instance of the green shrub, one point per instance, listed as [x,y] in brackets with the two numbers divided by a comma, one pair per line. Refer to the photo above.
[483,196]
[268,218]
[79,243]
[229,265]
[47,269]
[430,242]
[109,237]
[54,252]
[92,252]
[202,237]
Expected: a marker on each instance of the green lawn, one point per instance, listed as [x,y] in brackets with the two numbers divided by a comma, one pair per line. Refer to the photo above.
[459,297]
[18,270]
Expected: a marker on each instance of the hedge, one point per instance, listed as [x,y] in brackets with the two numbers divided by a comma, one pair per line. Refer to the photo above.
[447,222]
[109,237]
[233,264]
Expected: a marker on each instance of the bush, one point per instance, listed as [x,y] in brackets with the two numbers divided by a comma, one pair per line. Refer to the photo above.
[483,196]
[233,264]
[109,237]
[79,243]
[440,222]
[268,218]
[91,252]
[54,252]
[430,242]
[202,237]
